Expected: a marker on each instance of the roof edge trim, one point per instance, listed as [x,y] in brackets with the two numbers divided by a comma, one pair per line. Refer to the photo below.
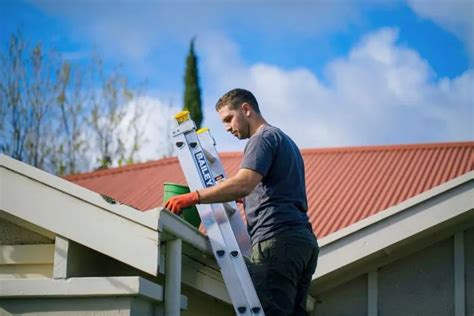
[142,218]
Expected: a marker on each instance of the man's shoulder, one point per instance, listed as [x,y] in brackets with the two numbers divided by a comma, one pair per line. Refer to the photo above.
[270,130]
[269,135]
[278,138]
[274,134]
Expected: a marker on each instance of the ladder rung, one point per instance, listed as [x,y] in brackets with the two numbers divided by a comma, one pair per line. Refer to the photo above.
[242,309]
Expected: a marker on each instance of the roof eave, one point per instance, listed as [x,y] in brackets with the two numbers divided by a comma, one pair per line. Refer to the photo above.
[61,206]
[391,227]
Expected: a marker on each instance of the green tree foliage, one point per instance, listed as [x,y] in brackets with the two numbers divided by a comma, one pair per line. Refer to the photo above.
[192,91]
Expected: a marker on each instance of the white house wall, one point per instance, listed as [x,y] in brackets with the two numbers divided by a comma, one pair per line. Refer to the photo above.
[423,281]
[26,261]
[420,283]
[469,270]
[347,299]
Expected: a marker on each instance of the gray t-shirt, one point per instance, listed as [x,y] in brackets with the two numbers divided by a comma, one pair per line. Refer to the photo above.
[278,202]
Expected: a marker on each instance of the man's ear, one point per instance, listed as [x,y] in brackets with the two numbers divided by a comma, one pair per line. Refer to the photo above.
[246,108]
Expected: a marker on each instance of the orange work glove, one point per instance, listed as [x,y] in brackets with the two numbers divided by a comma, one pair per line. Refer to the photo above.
[176,203]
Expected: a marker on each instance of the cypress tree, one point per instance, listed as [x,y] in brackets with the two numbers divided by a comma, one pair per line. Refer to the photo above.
[192,91]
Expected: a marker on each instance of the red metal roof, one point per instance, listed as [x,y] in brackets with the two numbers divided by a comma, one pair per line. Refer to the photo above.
[344,185]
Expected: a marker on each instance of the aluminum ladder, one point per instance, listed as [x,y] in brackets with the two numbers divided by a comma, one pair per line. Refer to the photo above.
[226,230]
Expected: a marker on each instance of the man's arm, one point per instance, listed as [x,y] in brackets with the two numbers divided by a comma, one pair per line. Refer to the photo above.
[230,189]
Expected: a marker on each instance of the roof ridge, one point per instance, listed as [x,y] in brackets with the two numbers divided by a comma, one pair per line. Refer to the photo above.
[388,147]
[121,169]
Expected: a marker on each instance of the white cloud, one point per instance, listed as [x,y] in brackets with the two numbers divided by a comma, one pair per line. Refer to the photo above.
[380,93]
[155,123]
[456,16]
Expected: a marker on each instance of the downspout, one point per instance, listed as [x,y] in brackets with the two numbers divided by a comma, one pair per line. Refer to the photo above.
[173,277]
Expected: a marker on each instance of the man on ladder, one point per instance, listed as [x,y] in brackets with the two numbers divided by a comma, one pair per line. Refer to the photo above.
[272,181]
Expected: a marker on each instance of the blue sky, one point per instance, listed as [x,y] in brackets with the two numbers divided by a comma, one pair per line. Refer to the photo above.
[329,73]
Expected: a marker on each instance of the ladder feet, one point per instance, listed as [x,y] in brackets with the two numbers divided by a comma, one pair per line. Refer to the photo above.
[256,310]
[242,309]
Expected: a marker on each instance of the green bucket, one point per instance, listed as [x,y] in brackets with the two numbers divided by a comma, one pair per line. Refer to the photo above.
[190,214]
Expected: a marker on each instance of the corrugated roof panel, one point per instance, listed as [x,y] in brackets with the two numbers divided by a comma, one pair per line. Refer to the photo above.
[426,177]
[454,166]
[342,204]
[344,185]
[353,200]
[400,162]
[388,171]
[449,169]
[329,195]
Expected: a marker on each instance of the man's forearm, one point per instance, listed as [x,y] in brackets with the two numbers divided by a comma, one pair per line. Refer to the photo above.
[231,189]
[225,191]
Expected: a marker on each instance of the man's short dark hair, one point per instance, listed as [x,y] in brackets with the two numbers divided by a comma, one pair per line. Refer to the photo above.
[235,97]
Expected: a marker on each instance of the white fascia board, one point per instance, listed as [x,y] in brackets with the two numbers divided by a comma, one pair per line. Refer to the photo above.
[178,228]
[69,188]
[419,214]
[78,214]
[84,287]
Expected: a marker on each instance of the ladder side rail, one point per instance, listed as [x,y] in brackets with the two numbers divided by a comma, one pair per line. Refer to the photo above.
[236,221]
[238,260]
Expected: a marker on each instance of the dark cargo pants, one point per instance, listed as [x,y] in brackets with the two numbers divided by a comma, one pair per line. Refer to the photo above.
[281,268]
